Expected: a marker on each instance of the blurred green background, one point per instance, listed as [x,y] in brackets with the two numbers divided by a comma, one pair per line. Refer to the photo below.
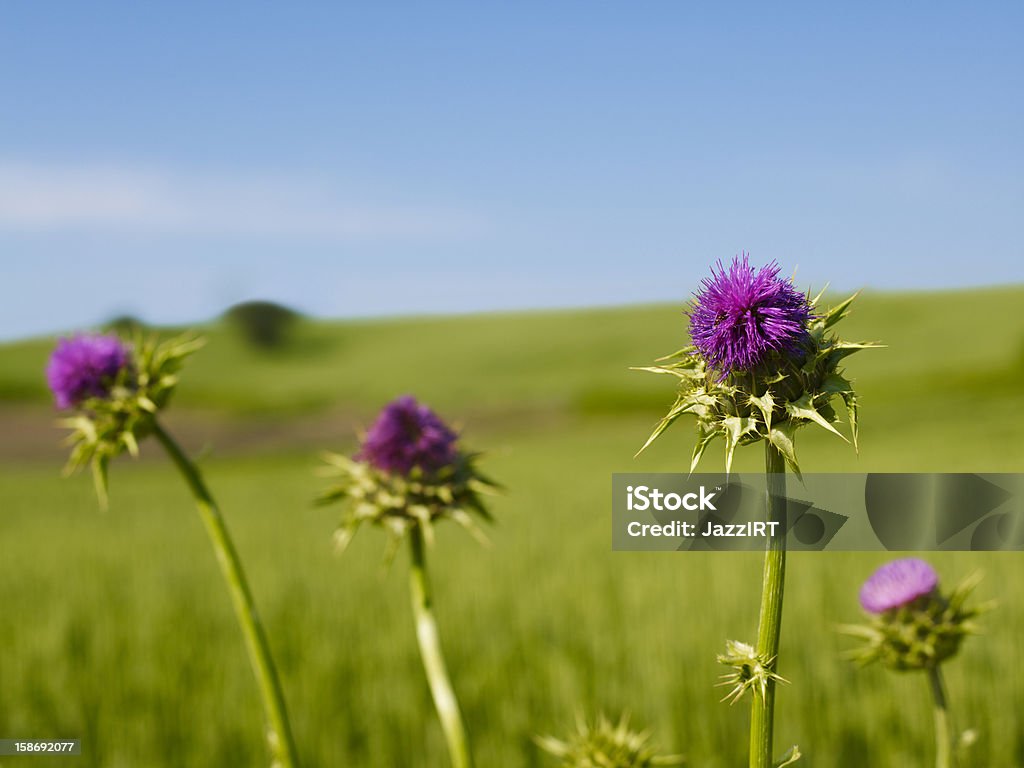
[116,629]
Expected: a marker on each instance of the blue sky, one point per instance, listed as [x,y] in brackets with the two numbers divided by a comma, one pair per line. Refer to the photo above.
[389,158]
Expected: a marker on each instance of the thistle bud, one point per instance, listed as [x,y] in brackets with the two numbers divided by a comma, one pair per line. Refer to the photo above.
[407,472]
[115,389]
[606,745]
[752,671]
[912,624]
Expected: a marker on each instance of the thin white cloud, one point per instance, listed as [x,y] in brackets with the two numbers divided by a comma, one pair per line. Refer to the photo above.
[46,198]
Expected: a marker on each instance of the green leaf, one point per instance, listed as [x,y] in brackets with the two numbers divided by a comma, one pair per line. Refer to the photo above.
[791,756]
[685,374]
[685,352]
[858,630]
[765,404]
[683,404]
[128,438]
[843,349]
[344,535]
[553,746]
[850,399]
[704,437]
[839,311]
[803,408]
[391,543]
[81,424]
[99,478]
[474,530]
[816,299]
[858,345]
[836,383]
[734,428]
[783,437]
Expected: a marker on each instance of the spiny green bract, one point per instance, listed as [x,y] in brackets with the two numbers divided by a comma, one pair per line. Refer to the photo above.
[770,402]
[604,745]
[106,426]
[921,634]
[753,671]
[398,502]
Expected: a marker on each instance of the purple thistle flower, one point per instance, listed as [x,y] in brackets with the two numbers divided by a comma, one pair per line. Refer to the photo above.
[85,366]
[743,315]
[897,583]
[407,434]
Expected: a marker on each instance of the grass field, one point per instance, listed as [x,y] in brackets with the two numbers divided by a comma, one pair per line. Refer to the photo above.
[117,630]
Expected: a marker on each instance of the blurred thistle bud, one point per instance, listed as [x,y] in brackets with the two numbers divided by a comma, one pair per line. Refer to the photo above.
[752,671]
[606,745]
[115,389]
[912,624]
[407,472]
[763,363]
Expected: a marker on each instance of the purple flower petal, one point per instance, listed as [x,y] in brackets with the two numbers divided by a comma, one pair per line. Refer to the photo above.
[84,366]
[741,316]
[407,434]
[897,583]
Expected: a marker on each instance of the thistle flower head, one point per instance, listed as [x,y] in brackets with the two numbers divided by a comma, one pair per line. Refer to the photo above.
[408,434]
[742,316]
[896,584]
[763,363]
[604,744]
[407,472]
[85,366]
[911,624]
[115,389]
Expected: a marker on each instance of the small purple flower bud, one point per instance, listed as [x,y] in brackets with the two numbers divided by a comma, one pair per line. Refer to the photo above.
[85,366]
[742,315]
[407,434]
[896,584]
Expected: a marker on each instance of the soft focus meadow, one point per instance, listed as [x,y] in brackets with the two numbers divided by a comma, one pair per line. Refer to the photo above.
[113,630]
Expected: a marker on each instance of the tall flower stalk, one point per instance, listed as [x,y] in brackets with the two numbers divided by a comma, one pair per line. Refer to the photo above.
[407,475]
[769,628]
[944,739]
[429,640]
[764,361]
[117,390]
[914,626]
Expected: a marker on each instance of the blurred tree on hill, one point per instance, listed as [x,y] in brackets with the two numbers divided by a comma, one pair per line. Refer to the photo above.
[263,324]
[124,325]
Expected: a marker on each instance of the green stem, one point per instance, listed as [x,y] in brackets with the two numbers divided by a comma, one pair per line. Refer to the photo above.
[762,719]
[433,659]
[944,757]
[279,735]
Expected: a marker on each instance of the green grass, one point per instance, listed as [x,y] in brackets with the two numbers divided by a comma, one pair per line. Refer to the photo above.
[116,628]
